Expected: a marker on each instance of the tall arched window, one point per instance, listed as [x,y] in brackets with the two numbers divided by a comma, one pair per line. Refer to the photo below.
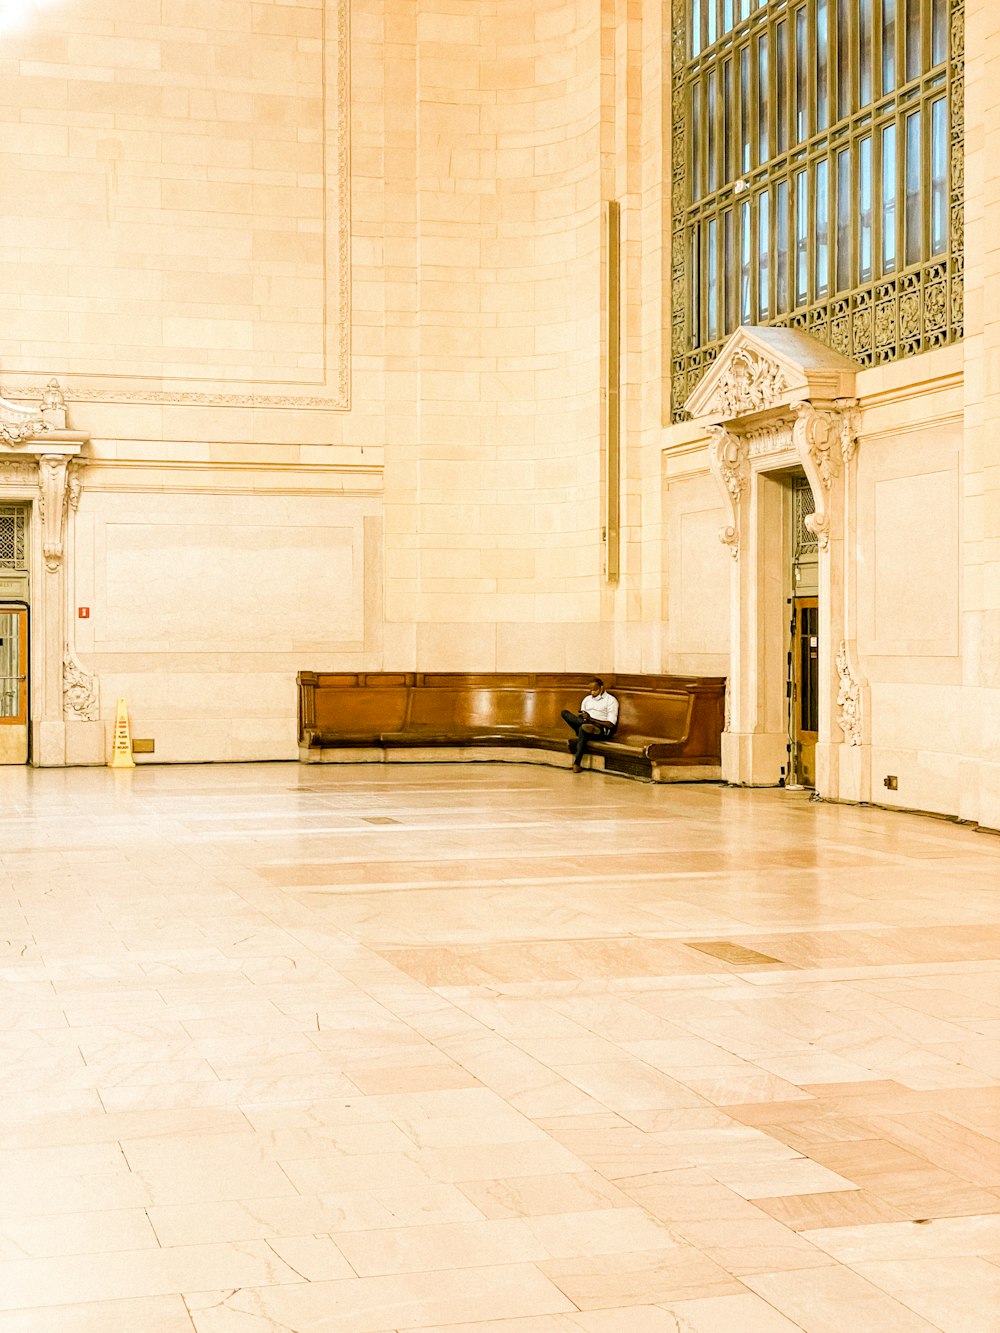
[817,175]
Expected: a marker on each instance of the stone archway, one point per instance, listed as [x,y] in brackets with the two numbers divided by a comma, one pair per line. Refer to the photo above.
[40,465]
[777,399]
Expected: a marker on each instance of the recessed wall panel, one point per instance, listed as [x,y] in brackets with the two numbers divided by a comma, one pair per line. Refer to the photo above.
[176,198]
[916,565]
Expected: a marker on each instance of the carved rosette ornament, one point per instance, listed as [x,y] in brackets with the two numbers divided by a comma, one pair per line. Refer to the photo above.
[728,457]
[79,689]
[848,698]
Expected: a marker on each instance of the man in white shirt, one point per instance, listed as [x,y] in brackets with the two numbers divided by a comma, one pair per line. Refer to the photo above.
[598,716]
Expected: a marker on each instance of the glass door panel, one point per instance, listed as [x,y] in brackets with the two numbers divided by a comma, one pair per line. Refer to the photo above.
[13,685]
[805,689]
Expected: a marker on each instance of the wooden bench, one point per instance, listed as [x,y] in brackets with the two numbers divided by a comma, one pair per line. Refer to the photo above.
[669,727]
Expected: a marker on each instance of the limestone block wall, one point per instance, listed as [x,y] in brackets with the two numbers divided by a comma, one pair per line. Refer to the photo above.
[175,247]
[204,603]
[980,477]
[909,583]
[493,552]
[925,550]
[929,706]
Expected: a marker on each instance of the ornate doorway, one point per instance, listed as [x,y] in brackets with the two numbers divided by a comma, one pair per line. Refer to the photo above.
[777,403]
[40,483]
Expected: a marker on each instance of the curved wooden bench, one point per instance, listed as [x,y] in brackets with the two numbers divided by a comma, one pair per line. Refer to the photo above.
[669,727]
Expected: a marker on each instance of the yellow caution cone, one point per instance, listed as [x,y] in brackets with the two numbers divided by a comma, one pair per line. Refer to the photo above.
[121,749]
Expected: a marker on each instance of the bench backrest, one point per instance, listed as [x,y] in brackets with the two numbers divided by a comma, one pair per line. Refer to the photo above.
[649,713]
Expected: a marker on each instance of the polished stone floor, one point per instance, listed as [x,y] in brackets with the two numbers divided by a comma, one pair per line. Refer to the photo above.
[491,1048]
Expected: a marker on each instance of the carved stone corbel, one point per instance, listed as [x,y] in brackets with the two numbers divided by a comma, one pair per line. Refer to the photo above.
[53,501]
[728,456]
[79,689]
[814,435]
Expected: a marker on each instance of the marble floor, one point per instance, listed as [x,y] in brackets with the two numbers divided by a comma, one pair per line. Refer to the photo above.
[491,1049]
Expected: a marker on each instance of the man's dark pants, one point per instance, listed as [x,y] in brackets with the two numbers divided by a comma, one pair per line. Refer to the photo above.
[585,731]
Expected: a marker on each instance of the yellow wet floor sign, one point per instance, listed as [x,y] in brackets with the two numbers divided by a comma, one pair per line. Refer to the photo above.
[121,750]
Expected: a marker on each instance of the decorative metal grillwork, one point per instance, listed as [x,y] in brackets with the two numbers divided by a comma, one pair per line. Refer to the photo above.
[817,175]
[804,502]
[13,537]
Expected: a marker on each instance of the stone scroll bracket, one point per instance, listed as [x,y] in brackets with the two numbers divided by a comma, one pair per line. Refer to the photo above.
[825,441]
[728,459]
[53,505]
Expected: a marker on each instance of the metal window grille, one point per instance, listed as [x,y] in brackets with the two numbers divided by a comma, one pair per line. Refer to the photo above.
[13,538]
[817,175]
[804,504]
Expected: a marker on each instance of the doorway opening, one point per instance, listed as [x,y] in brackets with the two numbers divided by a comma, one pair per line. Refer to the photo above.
[14,633]
[13,684]
[803,649]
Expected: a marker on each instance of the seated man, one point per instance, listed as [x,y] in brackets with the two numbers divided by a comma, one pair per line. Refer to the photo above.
[598,716]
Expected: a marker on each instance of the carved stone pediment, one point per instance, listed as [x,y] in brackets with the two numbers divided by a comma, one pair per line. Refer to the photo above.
[761,369]
[18,424]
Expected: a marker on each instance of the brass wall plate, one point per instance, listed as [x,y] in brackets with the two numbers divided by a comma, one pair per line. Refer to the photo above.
[143,747]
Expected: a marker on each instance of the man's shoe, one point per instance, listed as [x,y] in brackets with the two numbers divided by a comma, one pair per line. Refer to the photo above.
[577,768]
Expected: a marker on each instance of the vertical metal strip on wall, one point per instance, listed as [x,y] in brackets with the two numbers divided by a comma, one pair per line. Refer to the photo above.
[612,395]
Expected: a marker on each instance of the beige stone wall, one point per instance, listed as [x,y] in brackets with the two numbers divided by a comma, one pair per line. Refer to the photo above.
[175,248]
[273,428]
[176,171]
[493,480]
[177,260]
[910,581]
[980,479]
[925,552]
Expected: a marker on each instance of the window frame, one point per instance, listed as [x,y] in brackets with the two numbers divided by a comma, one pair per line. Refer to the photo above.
[881,317]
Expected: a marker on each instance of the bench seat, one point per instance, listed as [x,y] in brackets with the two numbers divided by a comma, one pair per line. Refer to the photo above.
[669,727]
